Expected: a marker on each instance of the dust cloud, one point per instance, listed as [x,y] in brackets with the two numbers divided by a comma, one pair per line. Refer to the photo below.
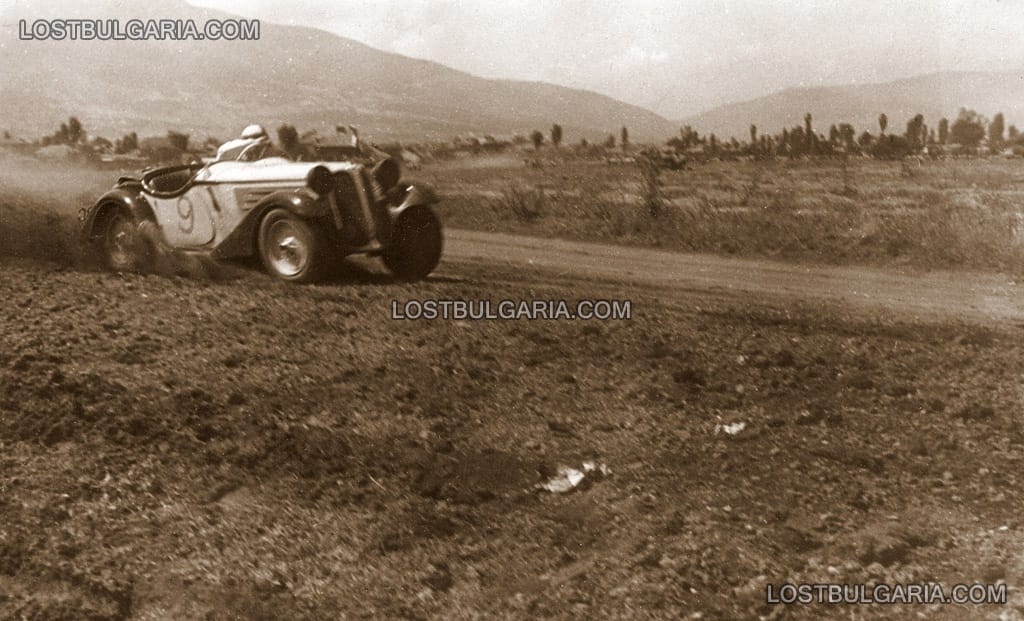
[39,205]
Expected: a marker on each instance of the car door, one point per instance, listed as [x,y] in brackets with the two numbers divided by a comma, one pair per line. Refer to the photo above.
[187,221]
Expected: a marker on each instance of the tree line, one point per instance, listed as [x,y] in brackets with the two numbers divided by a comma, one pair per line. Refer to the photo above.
[968,131]
[538,139]
[965,134]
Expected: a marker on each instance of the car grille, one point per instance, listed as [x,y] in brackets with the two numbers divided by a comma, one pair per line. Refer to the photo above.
[355,229]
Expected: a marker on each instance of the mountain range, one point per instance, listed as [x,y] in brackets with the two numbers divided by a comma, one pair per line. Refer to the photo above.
[303,76]
[317,80]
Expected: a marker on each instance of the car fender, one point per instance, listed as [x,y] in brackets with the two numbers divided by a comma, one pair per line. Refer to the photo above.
[242,240]
[127,196]
[415,195]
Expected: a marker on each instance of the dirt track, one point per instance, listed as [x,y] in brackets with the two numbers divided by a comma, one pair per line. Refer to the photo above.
[912,293]
[224,446]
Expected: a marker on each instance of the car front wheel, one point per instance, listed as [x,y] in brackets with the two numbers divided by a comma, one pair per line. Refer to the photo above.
[290,248]
[416,243]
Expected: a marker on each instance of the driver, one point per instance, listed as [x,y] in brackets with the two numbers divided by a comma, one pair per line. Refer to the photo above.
[252,145]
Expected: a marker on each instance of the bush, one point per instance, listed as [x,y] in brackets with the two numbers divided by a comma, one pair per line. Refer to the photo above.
[525,204]
[891,148]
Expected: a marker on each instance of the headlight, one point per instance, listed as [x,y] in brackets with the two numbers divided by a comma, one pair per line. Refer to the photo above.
[320,180]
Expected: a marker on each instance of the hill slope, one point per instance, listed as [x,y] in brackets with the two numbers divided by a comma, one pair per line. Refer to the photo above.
[934,95]
[292,74]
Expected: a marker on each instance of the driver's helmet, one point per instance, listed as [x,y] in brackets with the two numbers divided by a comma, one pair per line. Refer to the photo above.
[255,131]
[247,147]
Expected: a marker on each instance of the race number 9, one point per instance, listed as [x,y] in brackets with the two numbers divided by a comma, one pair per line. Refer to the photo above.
[186,215]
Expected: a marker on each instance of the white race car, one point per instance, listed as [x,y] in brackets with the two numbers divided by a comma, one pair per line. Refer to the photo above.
[299,217]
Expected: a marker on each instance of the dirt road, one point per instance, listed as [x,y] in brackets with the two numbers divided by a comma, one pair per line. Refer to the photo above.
[913,292]
[222,446]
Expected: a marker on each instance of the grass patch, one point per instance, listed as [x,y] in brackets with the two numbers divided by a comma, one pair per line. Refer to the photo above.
[958,213]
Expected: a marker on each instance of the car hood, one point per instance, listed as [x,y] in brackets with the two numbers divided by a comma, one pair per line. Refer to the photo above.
[270,169]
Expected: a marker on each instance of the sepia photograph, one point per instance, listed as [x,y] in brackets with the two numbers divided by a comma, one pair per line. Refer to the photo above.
[543,309]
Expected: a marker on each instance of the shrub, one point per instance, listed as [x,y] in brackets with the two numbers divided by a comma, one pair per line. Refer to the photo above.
[525,204]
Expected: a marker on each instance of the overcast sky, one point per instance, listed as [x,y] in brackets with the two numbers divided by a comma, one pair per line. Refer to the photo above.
[676,57]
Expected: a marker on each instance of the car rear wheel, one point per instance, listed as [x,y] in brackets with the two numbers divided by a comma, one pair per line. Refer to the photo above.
[416,244]
[290,248]
[124,247]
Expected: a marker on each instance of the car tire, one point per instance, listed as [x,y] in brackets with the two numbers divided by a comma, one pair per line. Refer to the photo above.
[124,244]
[290,248]
[416,244]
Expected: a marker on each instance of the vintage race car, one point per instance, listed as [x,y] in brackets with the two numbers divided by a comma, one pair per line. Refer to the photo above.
[298,217]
